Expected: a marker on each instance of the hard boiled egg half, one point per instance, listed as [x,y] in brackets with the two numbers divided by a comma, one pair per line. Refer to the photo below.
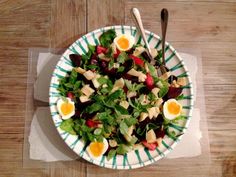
[66,108]
[96,149]
[172,109]
[124,42]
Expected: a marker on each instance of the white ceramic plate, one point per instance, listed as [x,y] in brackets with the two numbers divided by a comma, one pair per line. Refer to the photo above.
[137,158]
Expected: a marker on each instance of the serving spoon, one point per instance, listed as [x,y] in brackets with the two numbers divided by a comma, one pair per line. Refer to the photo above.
[139,25]
[164,21]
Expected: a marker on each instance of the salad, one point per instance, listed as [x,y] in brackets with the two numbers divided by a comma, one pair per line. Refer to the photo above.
[115,101]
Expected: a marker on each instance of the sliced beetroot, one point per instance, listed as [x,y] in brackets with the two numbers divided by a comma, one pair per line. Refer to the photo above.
[160,133]
[174,92]
[76,59]
[77,113]
[94,59]
[131,78]
[81,106]
[128,65]
[104,68]
[125,89]
[104,65]
[130,51]
[70,95]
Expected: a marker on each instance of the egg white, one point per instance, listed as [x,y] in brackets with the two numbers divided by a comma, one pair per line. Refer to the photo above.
[105,143]
[167,114]
[130,39]
[59,103]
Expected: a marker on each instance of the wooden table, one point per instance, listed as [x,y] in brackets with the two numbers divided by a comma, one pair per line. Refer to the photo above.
[206,25]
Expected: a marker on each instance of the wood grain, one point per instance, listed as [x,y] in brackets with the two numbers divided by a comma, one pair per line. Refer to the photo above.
[206,25]
[104,13]
[68,22]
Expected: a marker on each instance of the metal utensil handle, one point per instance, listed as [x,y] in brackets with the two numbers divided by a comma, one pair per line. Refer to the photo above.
[164,22]
[138,20]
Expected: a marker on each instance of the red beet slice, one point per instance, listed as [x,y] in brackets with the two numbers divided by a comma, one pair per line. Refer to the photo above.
[76,59]
[174,92]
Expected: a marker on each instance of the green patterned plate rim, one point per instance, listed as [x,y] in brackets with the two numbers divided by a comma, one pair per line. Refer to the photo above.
[137,158]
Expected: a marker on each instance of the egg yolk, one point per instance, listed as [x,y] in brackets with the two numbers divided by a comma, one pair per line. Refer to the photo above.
[123,43]
[67,108]
[96,148]
[173,108]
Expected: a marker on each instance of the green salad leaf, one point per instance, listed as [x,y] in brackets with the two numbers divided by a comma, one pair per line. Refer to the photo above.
[122,149]
[111,154]
[67,125]
[107,38]
[93,108]
[122,57]
[163,88]
[123,128]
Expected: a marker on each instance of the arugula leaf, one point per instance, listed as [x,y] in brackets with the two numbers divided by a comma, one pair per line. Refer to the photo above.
[98,98]
[73,77]
[121,109]
[171,134]
[94,108]
[122,149]
[151,96]
[69,85]
[164,89]
[64,99]
[107,38]
[67,125]
[128,84]
[158,57]
[122,57]
[111,154]
[99,138]
[91,48]
[152,70]
[102,80]
[130,121]
[123,128]
[140,131]
[62,91]
[106,118]
[180,97]
[120,69]
[133,140]
[77,85]
[109,53]
[104,90]
[115,95]
[111,64]
[153,126]
[93,67]
[133,87]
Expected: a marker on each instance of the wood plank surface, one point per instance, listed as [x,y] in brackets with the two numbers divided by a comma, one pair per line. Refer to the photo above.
[206,25]
[68,22]
[104,13]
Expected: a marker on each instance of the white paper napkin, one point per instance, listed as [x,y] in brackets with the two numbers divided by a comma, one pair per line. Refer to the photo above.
[47,145]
